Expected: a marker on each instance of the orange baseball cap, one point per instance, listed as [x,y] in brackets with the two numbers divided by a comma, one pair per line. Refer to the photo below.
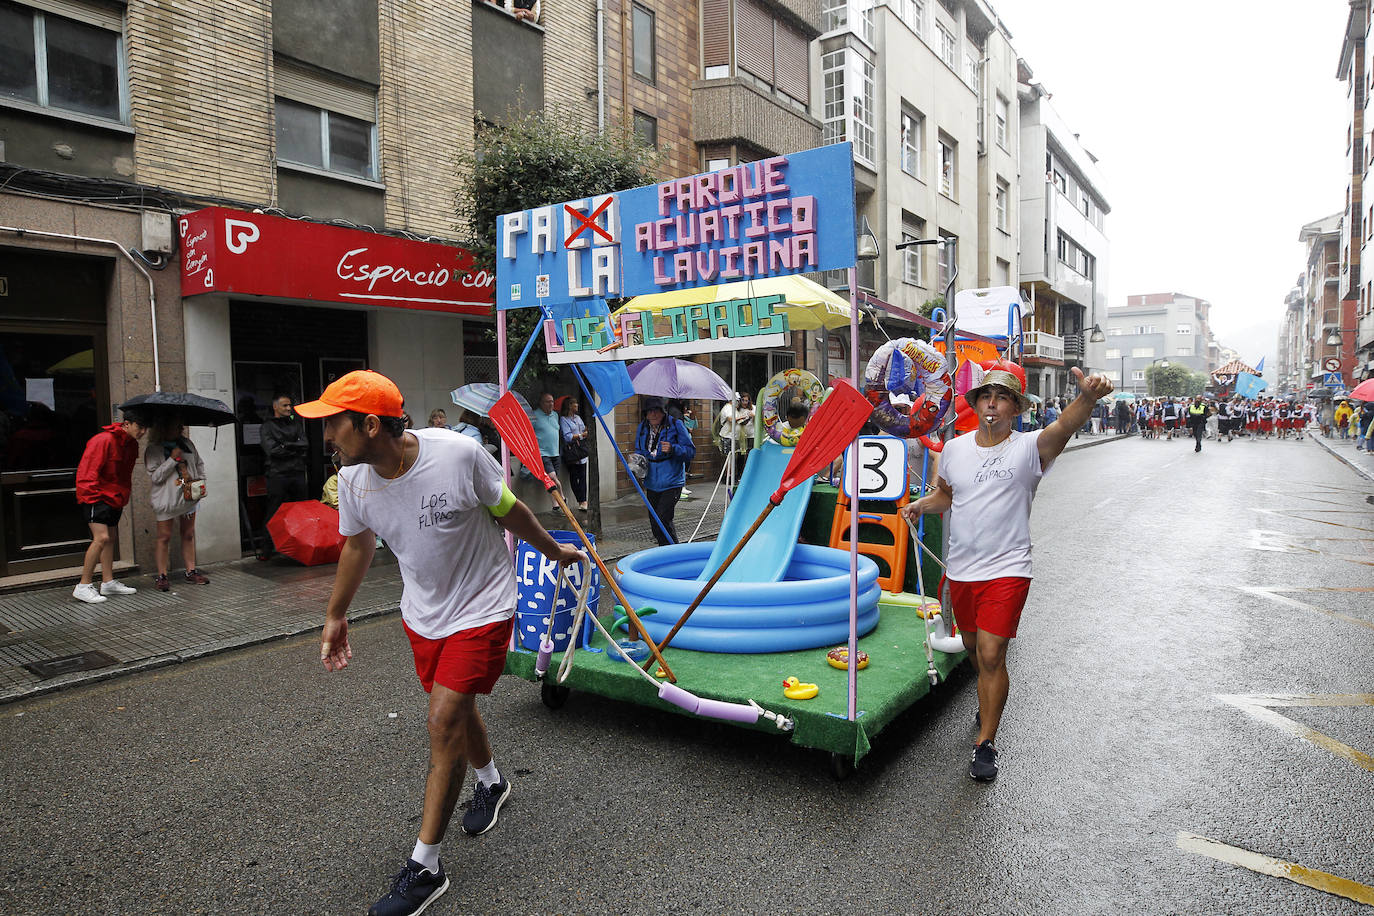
[362,390]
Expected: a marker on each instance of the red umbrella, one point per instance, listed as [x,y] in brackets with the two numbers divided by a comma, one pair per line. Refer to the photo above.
[1364,391]
[307,532]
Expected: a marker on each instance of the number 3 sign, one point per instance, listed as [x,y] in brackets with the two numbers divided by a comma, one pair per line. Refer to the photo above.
[882,468]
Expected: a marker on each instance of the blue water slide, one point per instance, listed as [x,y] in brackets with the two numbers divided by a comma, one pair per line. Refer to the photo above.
[769,552]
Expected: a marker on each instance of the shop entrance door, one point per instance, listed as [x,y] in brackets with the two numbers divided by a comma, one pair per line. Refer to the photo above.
[54,394]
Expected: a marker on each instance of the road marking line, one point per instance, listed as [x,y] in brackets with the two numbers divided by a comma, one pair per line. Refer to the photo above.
[1272,594]
[1276,868]
[1258,707]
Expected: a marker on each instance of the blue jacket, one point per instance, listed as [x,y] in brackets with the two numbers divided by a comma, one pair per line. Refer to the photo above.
[666,471]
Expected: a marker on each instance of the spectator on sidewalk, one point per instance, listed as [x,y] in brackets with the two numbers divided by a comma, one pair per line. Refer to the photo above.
[547,431]
[575,449]
[104,480]
[458,602]
[667,448]
[284,443]
[175,467]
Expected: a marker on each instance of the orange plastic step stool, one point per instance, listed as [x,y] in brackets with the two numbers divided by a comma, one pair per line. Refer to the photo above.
[894,554]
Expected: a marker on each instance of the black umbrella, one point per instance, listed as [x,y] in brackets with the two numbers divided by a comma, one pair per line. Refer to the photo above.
[1320,393]
[193,409]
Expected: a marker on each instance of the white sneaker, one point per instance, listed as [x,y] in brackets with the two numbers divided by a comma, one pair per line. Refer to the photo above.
[88,593]
[115,587]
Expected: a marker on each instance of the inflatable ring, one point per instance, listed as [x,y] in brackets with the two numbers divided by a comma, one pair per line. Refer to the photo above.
[838,657]
[913,368]
[812,392]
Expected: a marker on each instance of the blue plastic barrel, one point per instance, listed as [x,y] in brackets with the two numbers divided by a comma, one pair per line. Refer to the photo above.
[536,581]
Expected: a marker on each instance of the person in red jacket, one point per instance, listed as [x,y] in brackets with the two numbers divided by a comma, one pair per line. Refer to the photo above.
[103,481]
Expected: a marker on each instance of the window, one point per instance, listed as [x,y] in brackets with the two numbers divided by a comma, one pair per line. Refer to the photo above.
[1003,118]
[1114,332]
[948,45]
[973,66]
[847,80]
[324,124]
[646,129]
[1114,375]
[643,38]
[1137,375]
[854,15]
[1061,182]
[912,229]
[1183,351]
[324,139]
[912,126]
[1184,329]
[715,165]
[1113,353]
[62,63]
[1142,352]
[912,12]
[1003,205]
[1086,205]
[947,149]
[769,52]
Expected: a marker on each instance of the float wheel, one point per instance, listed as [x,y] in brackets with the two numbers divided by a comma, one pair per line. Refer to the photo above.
[841,766]
[553,695]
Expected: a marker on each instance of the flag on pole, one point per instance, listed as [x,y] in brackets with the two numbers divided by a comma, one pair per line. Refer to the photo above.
[609,380]
[1259,366]
[1249,386]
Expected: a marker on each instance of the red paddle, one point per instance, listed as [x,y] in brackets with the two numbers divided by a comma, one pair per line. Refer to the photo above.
[831,428]
[518,434]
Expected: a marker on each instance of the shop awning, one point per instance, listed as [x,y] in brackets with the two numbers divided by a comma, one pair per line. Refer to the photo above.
[254,254]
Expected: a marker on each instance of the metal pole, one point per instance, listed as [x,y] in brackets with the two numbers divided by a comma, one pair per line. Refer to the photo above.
[853,462]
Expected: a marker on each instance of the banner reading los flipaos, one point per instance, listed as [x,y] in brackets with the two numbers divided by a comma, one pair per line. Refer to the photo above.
[778,216]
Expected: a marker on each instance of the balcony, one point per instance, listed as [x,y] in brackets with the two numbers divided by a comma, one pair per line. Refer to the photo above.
[1040,345]
[730,109]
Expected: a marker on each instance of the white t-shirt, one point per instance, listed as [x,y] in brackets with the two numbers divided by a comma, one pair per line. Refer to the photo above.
[731,428]
[989,520]
[456,571]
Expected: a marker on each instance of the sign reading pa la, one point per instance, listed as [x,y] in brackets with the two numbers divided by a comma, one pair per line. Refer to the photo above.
[778,216]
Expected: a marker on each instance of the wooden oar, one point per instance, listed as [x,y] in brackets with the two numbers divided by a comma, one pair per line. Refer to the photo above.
[831,428]
[518,434]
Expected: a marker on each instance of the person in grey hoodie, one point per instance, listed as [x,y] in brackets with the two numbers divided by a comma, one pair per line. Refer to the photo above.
[172,461]
[283,439]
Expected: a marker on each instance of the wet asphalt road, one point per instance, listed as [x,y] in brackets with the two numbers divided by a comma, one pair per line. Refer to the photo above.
[253,782]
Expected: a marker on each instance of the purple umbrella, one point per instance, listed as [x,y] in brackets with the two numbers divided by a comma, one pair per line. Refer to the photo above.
[677,378]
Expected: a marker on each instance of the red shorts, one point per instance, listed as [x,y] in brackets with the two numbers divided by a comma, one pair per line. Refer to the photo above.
[468,661]
[994,605]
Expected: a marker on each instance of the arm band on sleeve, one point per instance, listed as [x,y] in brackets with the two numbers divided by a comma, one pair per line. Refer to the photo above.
[507,503]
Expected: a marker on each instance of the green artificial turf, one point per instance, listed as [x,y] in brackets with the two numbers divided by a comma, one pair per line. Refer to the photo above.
[895,679]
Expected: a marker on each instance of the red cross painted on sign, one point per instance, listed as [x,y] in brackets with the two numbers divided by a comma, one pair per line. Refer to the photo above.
[588,222]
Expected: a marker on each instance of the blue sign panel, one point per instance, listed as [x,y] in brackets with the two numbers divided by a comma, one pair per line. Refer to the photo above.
[1333,380]
[778,216]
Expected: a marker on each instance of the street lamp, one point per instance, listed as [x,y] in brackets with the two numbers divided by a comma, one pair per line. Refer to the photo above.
[1097,336]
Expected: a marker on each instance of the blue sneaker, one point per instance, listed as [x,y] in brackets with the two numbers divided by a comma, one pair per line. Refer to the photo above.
[414,888]
[486,804]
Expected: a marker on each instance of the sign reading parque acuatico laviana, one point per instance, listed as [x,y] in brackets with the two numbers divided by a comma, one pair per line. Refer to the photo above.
[778,216]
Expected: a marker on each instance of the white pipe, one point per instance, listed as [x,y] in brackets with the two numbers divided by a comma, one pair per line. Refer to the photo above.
[152,295]
[600,66]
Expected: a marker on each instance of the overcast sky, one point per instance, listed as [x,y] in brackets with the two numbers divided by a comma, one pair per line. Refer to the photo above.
[1219,127]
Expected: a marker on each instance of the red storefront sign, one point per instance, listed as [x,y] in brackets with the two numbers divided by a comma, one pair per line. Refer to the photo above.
[231,251]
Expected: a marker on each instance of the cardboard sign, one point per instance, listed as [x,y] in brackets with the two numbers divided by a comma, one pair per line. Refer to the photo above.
[778,216]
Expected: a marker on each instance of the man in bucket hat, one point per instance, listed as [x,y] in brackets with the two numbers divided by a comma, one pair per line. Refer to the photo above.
[440,501]
[986,481]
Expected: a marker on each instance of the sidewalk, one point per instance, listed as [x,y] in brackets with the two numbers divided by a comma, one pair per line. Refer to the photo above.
[1344,451]
[49,640]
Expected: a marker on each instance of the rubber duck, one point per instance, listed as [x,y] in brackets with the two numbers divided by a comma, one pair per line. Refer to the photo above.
[794,689]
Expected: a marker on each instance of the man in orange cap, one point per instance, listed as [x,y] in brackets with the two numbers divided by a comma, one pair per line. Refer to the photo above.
[440,502]
[986,481]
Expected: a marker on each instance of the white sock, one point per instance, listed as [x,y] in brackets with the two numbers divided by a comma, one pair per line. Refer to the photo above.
[487,775]
[427,855]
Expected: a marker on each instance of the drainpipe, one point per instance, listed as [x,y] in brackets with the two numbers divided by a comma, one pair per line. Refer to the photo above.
[600,66]
[152,296]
